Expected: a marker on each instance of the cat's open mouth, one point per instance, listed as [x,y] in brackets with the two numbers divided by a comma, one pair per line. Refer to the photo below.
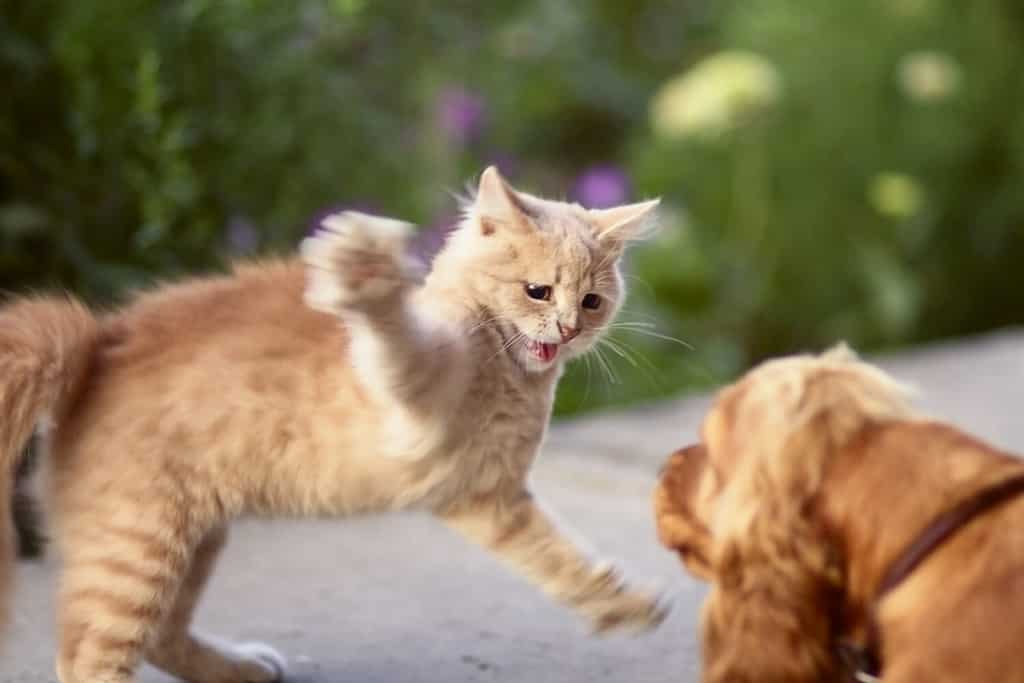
[542,351]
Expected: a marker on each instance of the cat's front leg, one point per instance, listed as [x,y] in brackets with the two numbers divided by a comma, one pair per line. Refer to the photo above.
[525,538]
[358,269]
[357,263]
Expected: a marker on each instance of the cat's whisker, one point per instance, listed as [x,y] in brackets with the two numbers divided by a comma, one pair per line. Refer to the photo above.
[512,340]
[625,323]
[630,324]
[645,330]
[507,345]
[603,362]
[484,323]
[589,371]
[636,354]
[665,337]
[617,350]
[639,314]
[646,285]
[606,259]
[611,367]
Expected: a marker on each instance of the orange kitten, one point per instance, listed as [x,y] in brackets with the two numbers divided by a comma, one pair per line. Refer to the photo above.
[210,399]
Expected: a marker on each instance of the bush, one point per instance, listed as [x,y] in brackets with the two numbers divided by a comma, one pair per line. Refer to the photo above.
[870,191]
[817,184]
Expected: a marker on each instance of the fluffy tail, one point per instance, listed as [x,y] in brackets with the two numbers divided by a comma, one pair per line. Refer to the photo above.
[46,348]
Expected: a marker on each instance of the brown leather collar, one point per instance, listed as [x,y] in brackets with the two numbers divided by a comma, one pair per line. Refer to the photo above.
[865,661]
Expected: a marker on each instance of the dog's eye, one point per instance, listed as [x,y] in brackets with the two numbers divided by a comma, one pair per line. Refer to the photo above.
[591,302]
[538,292]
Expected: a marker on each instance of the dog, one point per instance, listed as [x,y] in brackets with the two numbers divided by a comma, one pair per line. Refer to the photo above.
[846,536]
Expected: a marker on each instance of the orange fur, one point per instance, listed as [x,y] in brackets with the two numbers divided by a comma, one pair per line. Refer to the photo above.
[45,346]
[812,476]
[222,396]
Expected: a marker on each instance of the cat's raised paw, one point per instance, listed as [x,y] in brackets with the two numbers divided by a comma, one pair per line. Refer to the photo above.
[356,261]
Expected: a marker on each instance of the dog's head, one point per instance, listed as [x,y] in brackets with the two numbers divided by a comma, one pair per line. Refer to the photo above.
[740,508]
[762,450]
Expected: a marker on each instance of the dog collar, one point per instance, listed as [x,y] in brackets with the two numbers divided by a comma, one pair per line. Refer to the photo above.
[864,661]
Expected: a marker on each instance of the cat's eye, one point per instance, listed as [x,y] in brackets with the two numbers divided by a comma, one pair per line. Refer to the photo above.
[591,302]
[538,292]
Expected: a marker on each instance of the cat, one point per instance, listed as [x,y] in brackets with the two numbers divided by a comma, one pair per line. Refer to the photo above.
[336,383]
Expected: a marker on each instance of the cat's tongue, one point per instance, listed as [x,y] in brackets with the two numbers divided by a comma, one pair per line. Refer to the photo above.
[545,352]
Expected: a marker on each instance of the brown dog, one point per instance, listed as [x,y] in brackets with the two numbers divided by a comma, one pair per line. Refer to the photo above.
[825,513]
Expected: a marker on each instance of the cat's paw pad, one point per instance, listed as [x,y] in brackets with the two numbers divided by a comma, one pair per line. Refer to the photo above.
[259,663]
[355,260]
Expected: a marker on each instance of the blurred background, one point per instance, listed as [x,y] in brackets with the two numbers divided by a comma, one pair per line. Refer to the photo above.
[831,169]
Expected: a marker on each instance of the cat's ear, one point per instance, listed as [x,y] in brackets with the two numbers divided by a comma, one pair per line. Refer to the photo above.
[620,225]
[497,205]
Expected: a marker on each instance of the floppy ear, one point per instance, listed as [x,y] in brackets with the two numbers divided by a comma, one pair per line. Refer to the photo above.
[497,205]
[677,511]
[761,633]
[620,225]
[769,616]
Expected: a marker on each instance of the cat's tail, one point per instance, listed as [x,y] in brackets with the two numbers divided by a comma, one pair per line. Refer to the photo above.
[46,349]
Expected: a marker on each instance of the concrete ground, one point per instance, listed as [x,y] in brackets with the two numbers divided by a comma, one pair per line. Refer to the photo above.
[402,600]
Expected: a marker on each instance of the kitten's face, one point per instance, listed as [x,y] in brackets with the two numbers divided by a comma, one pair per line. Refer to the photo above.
[546,272]
[555,288]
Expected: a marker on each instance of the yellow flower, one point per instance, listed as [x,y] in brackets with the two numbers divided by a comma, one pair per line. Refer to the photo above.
[715,95]
[929,76]
[896,195]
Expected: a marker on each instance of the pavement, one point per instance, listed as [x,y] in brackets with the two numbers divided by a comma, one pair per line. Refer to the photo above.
[400,599]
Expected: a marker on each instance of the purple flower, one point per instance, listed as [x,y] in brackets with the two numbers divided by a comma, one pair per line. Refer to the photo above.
[600,187]
[242,237]
[427,242]
[461,114]
[507,163]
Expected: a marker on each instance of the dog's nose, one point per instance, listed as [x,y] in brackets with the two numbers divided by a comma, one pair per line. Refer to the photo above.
[568,333]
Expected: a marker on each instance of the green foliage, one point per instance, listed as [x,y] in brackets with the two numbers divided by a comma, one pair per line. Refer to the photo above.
[847,170]
[878,200]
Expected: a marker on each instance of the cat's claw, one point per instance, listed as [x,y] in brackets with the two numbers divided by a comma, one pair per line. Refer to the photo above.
[628,612]
[615,606]
[355,261]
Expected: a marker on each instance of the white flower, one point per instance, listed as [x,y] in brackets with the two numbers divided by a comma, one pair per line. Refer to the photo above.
[929,76]
[896,195]
[715,95]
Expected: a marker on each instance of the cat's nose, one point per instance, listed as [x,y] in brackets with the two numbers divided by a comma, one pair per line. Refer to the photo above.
[568,333]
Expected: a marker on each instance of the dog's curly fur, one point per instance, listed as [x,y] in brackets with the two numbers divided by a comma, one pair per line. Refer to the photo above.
[813,474]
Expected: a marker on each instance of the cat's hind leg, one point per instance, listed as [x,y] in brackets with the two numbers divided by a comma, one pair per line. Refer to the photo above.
[125,557]
[191,657]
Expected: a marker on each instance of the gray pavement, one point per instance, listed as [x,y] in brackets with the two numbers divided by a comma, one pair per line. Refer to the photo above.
[400,599]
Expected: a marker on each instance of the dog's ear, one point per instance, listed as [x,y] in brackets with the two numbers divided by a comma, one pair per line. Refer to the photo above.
[677,509]
[767,631]
[769,616]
